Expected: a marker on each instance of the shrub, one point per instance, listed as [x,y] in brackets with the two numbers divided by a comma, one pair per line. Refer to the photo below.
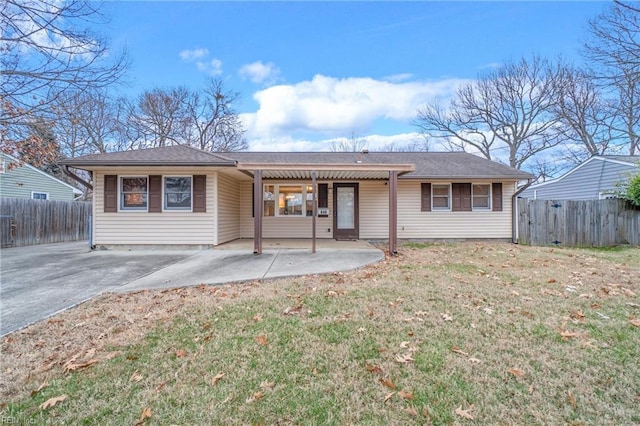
[633,190]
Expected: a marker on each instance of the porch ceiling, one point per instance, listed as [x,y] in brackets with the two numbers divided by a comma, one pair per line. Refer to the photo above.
[326,171]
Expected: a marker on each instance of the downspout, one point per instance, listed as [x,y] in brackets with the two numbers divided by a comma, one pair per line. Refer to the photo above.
[514,211]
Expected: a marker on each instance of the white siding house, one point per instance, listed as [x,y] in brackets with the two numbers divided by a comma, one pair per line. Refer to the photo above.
[183,196]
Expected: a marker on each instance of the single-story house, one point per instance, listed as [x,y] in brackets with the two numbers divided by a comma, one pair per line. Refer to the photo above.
[25,181]
[599,177]
[179,195]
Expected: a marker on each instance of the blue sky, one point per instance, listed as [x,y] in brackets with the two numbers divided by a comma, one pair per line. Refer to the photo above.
[313,72]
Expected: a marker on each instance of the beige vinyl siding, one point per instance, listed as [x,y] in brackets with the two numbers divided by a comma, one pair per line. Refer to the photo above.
[143,228]
[413,223]
[228,196]
[21,181]
[282,227]
[374,209]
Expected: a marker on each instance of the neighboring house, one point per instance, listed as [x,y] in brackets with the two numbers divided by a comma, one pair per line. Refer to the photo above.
[25,181]
[183,196]
[599,177]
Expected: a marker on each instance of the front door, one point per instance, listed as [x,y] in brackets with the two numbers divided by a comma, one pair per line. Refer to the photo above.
[345,208]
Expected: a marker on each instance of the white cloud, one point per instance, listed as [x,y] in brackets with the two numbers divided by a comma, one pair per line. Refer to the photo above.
[190,55]
[372,142]
[259,72]
[331,106]
[398,78]
[212,67]
[200,56]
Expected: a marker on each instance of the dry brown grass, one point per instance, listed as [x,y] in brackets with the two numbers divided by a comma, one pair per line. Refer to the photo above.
[442,333]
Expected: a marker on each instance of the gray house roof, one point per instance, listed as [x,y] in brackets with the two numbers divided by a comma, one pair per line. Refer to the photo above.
[439,165]
[178,155]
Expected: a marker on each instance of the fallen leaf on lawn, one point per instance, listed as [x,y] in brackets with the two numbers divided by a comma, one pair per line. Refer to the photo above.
[181,353]
[257,317]
[267,385]
[262,340]
[403,359]
[404,345]
[217,378]
[577,315]
[475,361]
[331,293]
[635,321]
[388,396]
[135,377]
[572,400]
[551,280]
[373,368]
[411,411]
[446,317]
[628,292]
[466,414]
[42,386]
[255,397]
[421,314]
[292,311]
[516,372]
[388,383]
[457,350]
[406,395]
[53,401]
[146,414]
[568,334]
[69,367]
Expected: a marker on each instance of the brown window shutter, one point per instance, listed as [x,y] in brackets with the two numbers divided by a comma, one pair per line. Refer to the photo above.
[461,197]
[199,193]
[323,195]
[426,197]
[110,193]
[496,194]
[155,194]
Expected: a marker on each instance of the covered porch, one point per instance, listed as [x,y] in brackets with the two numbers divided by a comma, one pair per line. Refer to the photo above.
[344,179]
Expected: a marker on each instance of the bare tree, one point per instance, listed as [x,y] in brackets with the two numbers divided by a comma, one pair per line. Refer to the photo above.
[509,108]
[214,124]
[613,50]
[159,118]
[46,49]
[351,144]
[585,115]
[86,122]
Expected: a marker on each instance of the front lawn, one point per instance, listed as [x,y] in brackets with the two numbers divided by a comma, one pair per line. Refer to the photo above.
[468,333]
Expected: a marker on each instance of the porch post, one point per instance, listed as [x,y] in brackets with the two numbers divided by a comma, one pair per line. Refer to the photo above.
[315,211]
[258,205]
[393,212]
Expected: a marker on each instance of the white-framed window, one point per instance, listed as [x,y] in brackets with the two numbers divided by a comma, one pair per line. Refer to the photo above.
[441,196]
[35,195]
[177,192]
[289,200]
[481,196]
[134,191]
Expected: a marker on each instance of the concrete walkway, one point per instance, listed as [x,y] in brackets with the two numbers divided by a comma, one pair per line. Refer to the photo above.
[37,282]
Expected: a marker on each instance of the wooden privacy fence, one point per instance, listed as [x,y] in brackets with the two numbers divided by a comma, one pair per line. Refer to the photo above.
[573,223]
[25,222]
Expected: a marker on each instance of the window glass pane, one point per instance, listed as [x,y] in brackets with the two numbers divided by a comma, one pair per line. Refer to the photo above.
[481,196]
[309,204]
[134,193]
[346,207]
[269,200]
[177,193]
[440,196]
[290,200]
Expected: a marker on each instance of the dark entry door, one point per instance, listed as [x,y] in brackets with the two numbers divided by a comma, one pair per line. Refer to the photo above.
[345,208]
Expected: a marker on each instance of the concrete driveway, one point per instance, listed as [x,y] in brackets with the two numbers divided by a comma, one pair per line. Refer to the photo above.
[39,281]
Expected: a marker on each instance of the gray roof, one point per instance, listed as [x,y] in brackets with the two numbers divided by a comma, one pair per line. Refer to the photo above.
[443,165]
[177,155]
